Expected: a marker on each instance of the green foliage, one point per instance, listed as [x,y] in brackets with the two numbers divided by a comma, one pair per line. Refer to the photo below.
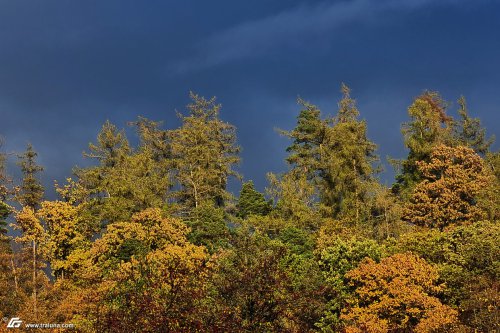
[335,261]
[468,260]
[334,156]
[429,126]
[299,241]
[294,199]
[150,240]
[348,163]
[252,202]
[31,190]
[468,131]
[307,136]
[208,226]
[126,181]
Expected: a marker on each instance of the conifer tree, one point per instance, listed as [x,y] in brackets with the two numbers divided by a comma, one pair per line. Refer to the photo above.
[308,136]
[31,190]
[252,202]
[204,154]
[347,158]
[468,131]
[429,126]
[4,208]
[30,196]
[126,180]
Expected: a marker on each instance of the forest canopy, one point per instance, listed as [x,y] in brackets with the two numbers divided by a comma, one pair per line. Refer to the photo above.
[148,238]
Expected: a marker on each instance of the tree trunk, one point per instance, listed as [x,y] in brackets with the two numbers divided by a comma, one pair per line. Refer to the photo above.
[14,273]
[34,280]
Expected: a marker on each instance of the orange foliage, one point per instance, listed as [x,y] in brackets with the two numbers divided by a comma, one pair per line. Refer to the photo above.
[452,181]
[395,295]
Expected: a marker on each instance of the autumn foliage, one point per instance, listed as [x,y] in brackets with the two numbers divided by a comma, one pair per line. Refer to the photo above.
[395,295]
[448,194]
[148,237]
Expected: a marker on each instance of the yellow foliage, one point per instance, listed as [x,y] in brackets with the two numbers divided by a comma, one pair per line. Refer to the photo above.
[395,295]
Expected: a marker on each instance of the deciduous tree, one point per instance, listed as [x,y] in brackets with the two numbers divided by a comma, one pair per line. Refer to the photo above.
[396,295]
[448,193]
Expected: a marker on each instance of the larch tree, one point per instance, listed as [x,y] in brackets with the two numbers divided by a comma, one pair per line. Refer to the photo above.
[204,153]
[126,180]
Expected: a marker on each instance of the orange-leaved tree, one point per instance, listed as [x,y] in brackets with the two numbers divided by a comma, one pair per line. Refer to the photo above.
[396,295]
[448,194]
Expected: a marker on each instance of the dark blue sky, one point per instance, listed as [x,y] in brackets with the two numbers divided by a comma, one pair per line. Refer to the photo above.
[67,66]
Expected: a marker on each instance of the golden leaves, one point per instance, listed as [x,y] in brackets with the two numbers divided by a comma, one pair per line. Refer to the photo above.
[395,294]
[448,194]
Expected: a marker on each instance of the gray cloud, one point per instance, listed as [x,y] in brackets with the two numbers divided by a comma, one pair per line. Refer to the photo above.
[291,27]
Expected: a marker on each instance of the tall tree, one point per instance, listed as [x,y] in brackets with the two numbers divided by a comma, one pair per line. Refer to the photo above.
[308,136]
[347,161]
[30,196]
[428,127]
[31,190]
[335,156]
[153,138]
[204,153]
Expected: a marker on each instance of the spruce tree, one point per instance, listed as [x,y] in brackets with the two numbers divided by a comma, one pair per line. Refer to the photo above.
[252,202]
[347,162]
[30,196]
[31,190]
[308,136]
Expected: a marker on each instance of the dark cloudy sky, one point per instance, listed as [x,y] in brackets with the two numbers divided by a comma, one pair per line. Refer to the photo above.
[67,66]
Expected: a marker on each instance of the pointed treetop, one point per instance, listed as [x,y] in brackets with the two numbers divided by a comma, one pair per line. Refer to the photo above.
[347,106]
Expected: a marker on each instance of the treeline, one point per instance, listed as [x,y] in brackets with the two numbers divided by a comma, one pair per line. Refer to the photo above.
[149,239]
